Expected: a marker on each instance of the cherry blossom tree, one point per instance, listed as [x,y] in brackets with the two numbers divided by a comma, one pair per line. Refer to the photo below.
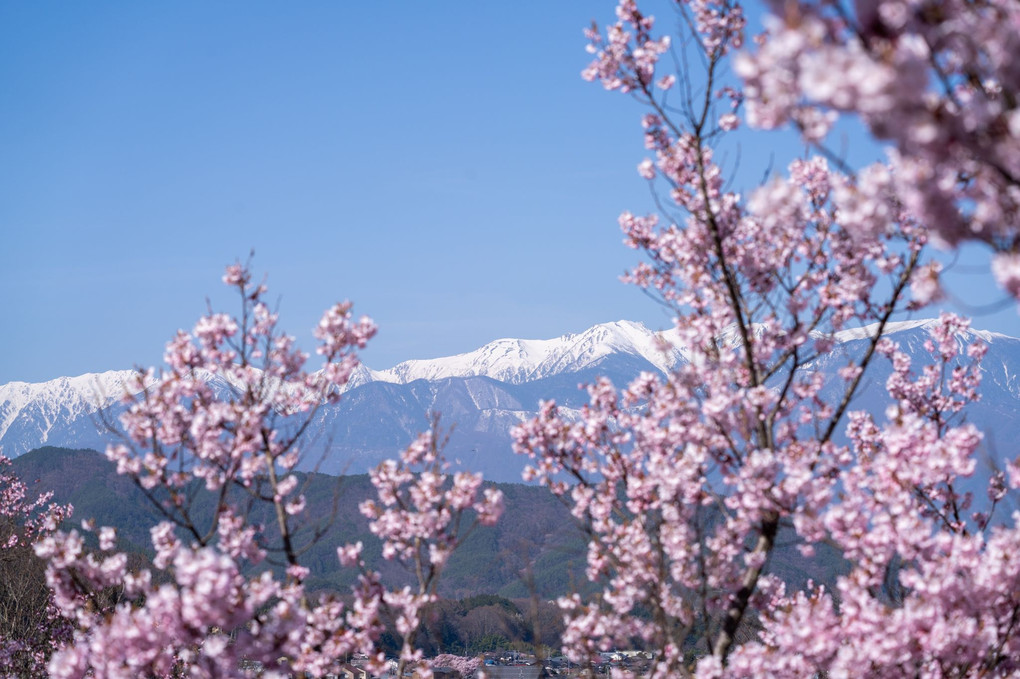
[226,423]
[30,626]
[465,667]
[684,483]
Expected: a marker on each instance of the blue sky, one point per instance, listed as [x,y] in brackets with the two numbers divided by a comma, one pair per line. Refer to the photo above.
[440,164]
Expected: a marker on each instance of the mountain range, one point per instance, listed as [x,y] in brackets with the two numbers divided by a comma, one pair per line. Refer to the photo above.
[484,393]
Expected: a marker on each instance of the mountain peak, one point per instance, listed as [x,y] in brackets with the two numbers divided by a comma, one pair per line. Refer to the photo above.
[523,360]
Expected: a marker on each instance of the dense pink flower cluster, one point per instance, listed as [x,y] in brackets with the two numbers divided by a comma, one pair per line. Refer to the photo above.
[23,521]
[939,80]
[226,419]
[932,590]
[686,483]
[466,667]
[33,517]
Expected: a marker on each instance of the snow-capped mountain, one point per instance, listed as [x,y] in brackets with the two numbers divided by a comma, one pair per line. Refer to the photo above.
[516,361]
[67,411]
[30,413]
[484,393]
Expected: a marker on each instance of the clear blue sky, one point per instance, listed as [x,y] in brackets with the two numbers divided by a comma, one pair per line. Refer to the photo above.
[441,164]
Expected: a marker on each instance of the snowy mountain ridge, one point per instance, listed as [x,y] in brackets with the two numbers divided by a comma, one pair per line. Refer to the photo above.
[65,397]
[896,327]
[522,360]
[486,392]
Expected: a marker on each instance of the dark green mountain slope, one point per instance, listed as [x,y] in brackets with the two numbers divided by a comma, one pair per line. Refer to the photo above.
[536,548]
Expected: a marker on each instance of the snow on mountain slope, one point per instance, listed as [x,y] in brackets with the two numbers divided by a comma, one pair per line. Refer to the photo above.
[519,360]
[905,327]
[64,397]
[66,411]
[63,411]
[484,393]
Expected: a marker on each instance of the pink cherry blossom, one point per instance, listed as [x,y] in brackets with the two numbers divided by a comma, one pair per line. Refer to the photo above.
[226,417]
[686,482]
